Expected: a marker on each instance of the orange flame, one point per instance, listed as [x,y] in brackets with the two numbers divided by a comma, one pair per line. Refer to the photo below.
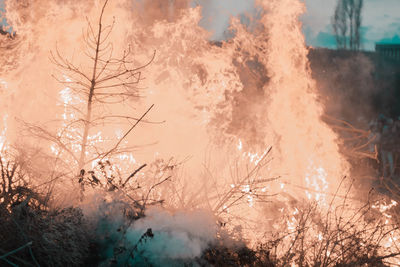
[216,110]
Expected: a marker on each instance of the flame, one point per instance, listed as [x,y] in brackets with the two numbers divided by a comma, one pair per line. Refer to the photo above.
[196,86]
[3,143]
[214,111]
[308,147]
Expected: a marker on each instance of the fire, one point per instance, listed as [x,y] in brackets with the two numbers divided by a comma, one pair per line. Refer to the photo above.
[308,146]
[316,179]
[246,140]
[194,86]
[3,144]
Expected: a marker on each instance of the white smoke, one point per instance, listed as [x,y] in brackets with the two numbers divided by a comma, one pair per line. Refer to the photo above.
[159,238]
[183,235]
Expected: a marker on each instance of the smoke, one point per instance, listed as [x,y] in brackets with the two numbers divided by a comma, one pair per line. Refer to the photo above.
[347,83]
[255,90]
[177,236]
[159,238]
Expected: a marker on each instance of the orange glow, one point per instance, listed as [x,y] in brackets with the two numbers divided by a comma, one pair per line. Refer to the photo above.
[3,132]
[219,130]
[194,86]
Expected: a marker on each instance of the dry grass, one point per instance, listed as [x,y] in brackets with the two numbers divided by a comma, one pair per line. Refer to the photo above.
[343,235]
[32,233]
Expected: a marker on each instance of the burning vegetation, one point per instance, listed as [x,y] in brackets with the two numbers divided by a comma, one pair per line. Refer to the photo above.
[138,142]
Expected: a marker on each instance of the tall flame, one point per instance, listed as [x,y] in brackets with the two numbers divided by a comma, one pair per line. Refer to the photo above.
[224,104]
[308,151]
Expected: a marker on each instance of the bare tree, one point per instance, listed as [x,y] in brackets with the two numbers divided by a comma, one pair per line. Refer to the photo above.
[346,24]
[357,24]
[109,80]
[340,25]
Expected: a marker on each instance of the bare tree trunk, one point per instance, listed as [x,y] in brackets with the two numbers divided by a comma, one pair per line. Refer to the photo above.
[350,13]
[82,158]
[347,16]
[340,25]
[357,20]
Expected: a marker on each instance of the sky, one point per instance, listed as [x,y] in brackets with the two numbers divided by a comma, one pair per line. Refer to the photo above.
[380,20]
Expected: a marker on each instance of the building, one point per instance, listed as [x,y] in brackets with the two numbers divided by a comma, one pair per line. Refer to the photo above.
[389,50]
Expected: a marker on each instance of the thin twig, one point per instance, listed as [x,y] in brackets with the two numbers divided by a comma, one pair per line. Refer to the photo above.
[126,134]
[133,174]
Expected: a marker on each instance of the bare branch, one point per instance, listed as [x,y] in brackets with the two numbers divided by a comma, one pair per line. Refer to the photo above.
[133,174]
[127,133]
